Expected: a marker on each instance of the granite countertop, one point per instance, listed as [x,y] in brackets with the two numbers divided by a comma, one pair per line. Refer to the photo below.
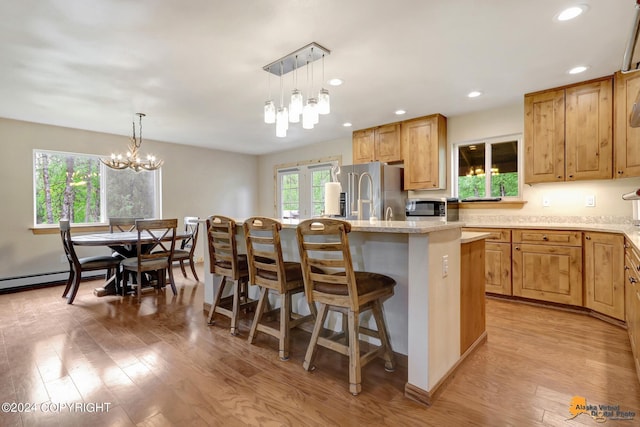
[380,226]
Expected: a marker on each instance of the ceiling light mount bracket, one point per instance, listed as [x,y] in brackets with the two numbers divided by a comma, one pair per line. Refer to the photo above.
[297,59]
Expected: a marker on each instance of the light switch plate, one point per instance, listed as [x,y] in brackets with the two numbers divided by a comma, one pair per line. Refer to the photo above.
[546,201]
[590,201]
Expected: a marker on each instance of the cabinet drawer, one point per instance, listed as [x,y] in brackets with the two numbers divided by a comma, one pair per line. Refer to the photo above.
[548,237]
[500,235]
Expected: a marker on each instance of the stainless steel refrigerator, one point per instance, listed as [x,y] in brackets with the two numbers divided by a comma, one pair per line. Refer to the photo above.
[372,196]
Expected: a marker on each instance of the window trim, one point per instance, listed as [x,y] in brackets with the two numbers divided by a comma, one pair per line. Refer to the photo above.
[518,137]
[98,226]
[291,167]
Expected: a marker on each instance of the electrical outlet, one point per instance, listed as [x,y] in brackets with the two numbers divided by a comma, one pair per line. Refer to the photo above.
[445,265]
[546,201]
[590,201]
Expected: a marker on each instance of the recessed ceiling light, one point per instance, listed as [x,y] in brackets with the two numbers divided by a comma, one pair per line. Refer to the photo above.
[347,125]
[571,12]
[400,112]
[474,94]
[578,70]
[335,82]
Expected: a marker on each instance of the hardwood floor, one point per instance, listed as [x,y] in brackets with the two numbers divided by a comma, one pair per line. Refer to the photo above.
[157,363]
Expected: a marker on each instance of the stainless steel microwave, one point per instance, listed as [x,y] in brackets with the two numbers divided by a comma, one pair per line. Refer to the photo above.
[432,208]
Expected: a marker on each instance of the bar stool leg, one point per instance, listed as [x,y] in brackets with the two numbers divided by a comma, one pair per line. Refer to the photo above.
[262,302]
[237,285]
[285,317]
[355,381]
[390,363]
[216,300]
[310,356]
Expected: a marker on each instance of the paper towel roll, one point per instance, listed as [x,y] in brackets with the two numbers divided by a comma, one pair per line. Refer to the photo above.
[332,198]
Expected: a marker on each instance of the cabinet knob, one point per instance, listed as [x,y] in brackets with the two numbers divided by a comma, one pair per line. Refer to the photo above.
[545,238]
[517,248]
[587,237]
[570,176]
[619,172]
[559,177]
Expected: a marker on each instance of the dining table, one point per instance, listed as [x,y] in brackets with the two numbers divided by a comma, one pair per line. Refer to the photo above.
[124,243]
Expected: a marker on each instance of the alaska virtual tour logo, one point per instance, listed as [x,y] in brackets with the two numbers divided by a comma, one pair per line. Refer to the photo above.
[600,413]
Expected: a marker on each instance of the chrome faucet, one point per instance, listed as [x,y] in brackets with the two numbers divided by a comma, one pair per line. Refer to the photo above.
[361,201]
[388,214]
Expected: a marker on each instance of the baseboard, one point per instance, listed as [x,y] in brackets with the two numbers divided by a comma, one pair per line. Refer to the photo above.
[428,397]
[22,283]
[561,307]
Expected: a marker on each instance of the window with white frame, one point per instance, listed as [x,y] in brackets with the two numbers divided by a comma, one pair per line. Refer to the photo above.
[488,168]
[81,188]
[300,189]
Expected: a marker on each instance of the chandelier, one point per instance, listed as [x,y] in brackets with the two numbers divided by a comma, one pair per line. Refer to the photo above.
[132,159]
[316,104]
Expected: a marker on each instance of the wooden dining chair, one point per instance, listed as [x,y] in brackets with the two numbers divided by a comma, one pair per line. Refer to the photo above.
[335,286]
[231,267]
[154,248]
[121,225]
[78,265]
[188,245]
[271,273]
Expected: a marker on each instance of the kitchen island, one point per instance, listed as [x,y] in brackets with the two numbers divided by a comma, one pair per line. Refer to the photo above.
[423,316]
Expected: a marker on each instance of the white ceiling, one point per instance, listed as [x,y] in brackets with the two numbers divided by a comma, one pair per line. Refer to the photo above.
[195,67]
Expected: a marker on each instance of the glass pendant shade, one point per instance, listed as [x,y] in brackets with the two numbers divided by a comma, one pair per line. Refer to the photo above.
[269,112]
[282,122]
[295,108]
[313,102]
[323,102]
[307,117]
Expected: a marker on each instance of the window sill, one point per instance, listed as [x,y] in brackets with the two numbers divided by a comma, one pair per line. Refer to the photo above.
[55,229]
[503,204]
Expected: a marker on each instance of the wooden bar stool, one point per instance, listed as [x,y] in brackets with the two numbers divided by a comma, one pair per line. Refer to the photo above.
[270,272]
[230,266]
[324,245]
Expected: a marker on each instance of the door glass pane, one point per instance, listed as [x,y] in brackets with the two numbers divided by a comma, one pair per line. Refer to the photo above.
[318,179]
[471,173]
[290,195]
[504,169]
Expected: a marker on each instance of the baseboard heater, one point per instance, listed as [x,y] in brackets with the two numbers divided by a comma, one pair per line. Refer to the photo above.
[21,283]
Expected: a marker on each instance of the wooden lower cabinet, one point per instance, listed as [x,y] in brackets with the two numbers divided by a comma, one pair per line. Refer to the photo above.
[497,259]
[472,306]
[632,302]
[604,273]
[498,268]
[548,273]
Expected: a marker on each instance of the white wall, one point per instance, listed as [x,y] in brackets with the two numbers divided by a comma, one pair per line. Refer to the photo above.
[195,181]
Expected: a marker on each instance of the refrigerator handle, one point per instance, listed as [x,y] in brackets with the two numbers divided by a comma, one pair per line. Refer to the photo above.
[352,196]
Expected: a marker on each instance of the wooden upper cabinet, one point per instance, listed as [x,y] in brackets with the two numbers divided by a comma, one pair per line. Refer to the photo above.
[569,133]
[388,146]
[544,136]
[627,139]
[424,146]
[363,146]
[589,131]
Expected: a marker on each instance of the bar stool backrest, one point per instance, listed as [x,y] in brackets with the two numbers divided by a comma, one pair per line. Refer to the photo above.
[264,252]
[326,262]
[223,251]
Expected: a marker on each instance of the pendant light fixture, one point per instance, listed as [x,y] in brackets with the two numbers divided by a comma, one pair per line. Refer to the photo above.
[324,106]
[282,115]
[269,107]
[133,160]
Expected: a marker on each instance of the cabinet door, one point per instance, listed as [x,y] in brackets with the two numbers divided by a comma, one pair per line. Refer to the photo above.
[627,139]
[424,146]
[387,143]
[548,273]
[498,268]
[589,131]
[363,146]
[604,273]
[472,307]
[544,137]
